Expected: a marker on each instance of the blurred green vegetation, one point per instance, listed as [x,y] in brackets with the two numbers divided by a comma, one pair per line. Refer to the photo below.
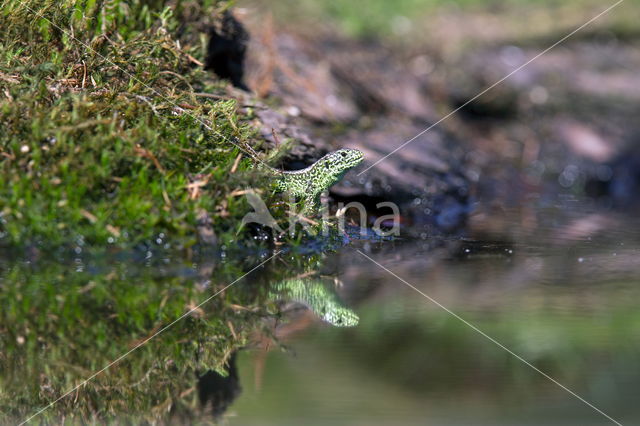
[563,339]
[102,124]
[61,326]
[412,20]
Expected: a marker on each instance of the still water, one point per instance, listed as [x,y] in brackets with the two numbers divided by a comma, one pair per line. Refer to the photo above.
[558,290]
[562,295]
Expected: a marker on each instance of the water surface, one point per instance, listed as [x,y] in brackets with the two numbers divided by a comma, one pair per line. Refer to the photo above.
[561,293]
[558,290]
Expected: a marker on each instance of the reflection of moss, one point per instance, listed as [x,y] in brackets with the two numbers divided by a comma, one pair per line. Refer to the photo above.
[63,326]
[102,136]
[60,323]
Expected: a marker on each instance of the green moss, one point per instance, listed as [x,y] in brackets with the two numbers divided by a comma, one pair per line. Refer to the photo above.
[102,128]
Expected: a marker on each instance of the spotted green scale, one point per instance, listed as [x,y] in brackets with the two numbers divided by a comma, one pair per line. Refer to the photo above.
[309,183]
[321,301]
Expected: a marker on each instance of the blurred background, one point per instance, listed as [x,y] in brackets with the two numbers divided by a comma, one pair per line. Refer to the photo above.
[375,74]
[539,176]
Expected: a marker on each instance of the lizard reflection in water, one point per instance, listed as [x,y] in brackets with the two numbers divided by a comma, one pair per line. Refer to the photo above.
[314,294]
[308,184]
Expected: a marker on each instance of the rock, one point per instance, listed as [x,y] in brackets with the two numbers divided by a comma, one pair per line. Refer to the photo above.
[275,127]
[353,98]
[566,122]
[283,67]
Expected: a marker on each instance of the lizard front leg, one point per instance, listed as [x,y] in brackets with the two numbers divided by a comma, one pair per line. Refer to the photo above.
[311,204]
[311,199]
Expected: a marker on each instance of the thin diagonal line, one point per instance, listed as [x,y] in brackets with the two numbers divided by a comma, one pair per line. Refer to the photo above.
[495,84]
[121,357]
[467,323]
[160,95]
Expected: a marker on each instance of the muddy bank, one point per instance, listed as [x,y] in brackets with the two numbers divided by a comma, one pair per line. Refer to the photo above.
[564,125]
[360,96]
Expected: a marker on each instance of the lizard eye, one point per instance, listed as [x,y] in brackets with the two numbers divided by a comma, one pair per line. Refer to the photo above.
[344,154]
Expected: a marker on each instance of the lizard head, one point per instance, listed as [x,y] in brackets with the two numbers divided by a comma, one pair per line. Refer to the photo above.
[341,317]
[337,163]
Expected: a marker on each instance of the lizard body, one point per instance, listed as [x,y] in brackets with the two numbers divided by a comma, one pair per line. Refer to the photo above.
[309,183]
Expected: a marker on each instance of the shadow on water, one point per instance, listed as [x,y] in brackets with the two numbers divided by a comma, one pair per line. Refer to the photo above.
[219,391]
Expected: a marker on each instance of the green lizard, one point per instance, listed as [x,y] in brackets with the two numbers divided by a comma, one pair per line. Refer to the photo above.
[314,294]
[309,183]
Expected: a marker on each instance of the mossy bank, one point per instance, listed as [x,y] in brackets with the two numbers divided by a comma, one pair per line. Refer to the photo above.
[112,131]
